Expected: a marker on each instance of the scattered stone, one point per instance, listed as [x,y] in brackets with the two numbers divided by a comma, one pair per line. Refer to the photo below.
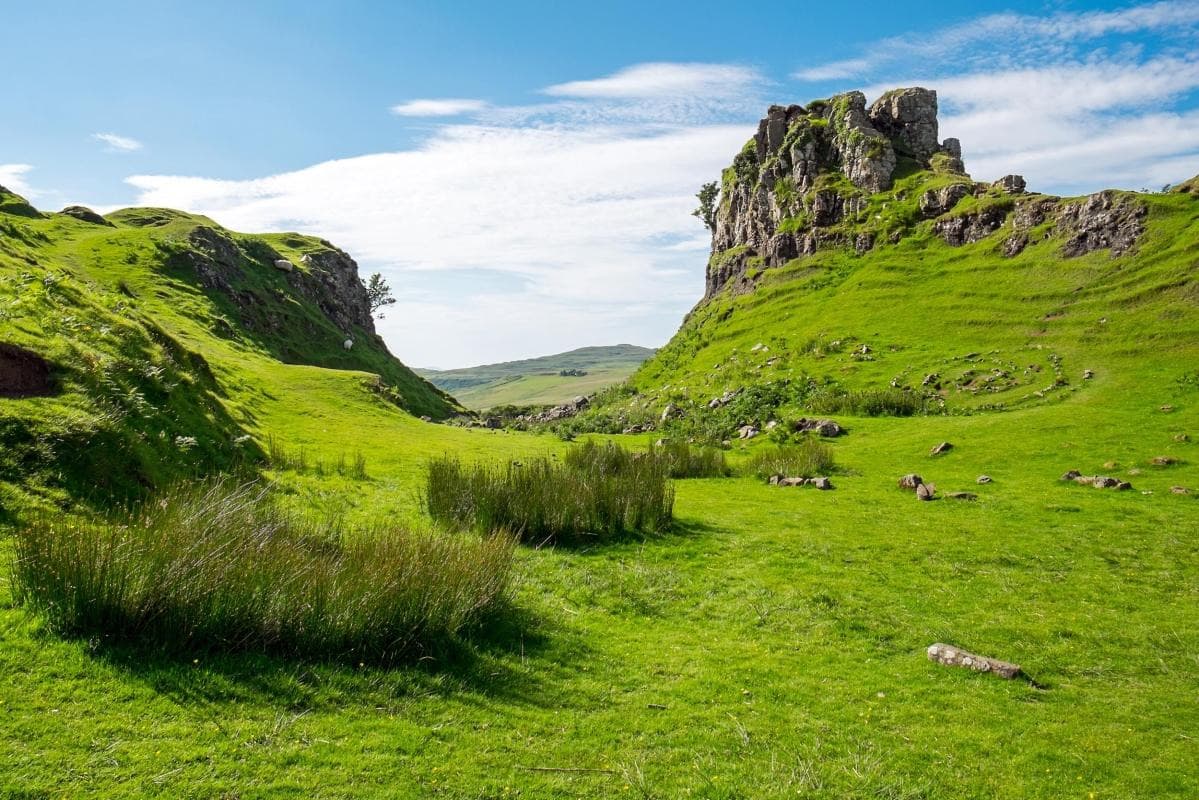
[670,411]
[930,378]
[951,656]
[283,265]
[1087,374]
[747,432]
[1104,482]
[910,481]
[493,423]
[984,479]
[1181,437]
[1072,475]
[926,491]
[823,427]
[564,411]
[1123,486]
[941,449]
[759,348]
[823,484]
[772,424]
[425,418]
[1179,490]
[1163,461]
[724,399]
[967,496]
[1111,465]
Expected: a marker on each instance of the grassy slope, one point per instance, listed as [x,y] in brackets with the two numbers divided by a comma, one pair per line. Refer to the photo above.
[535,381]
[145,355]
[773,646]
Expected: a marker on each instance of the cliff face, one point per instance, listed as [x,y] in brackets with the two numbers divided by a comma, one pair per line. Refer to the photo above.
[823,176]
[808,168]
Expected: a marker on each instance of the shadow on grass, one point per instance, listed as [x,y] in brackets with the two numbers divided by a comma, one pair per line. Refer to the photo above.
[679,529]
[488,660]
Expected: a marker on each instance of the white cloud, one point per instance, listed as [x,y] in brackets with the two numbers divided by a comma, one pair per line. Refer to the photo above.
[655,80]
[558,226]
[118,144]
[12,177]
[444,107]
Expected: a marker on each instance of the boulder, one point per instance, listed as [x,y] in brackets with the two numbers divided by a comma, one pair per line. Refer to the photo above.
[1010,184]
[908,117]
[747,432]
[941,449]
[283,265]
[1072,475]
[1104,482]
[1163,461]
[823,484]
[951,656]
[910,481]
[926,491]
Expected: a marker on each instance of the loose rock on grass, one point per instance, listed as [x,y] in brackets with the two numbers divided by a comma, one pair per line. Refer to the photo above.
[941,449]
[951,656]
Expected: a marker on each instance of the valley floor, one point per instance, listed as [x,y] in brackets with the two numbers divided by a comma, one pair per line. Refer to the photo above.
[773,646]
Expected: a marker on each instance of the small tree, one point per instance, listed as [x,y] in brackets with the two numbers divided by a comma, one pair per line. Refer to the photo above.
[378,293]
[707,205]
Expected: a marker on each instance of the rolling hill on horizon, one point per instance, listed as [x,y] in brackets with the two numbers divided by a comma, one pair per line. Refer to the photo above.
[541,380]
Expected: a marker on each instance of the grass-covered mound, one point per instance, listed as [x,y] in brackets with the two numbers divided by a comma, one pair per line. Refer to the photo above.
[165,337]
[594,493]
[218,567]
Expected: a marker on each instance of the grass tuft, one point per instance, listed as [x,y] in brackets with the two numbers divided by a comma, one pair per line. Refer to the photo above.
[216,566]
[807,458]
[595,493]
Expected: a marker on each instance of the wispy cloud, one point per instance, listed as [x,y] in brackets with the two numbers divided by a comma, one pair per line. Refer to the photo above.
[443,107]
[118,144]
[834,70]
[644,81]
[1006,39]
[12,177]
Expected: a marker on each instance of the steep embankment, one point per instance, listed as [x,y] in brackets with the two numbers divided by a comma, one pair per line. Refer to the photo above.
[857,268]
[134,347]
[547,380]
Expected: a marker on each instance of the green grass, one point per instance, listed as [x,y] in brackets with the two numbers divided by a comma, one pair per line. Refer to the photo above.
[216,566]
[773,644]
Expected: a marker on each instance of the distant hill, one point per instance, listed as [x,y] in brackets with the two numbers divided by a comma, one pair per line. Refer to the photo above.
[539,380]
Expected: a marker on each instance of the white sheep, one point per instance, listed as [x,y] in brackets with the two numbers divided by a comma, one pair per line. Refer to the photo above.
[348,343]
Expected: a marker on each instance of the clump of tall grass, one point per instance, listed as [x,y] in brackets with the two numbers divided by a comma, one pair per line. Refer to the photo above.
[807,458]
[888,402]
[297,460]
[683,460]
[597,494]
[218,566]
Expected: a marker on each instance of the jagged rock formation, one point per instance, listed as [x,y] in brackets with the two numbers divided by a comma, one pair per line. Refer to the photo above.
[823,176]
[807,169]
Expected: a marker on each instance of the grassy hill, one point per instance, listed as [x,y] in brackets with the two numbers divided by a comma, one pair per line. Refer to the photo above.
[537,381]
[155,330]
[771,645]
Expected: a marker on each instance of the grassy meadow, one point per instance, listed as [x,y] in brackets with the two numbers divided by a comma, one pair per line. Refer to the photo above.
[769,643]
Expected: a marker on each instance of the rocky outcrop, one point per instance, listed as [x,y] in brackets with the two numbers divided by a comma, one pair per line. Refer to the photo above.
[85,214]
[810,169]
[330,280]
[1108,220]
[811,176]
[971,227]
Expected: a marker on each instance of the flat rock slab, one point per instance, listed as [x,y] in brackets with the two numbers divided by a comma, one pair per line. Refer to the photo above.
[951,656]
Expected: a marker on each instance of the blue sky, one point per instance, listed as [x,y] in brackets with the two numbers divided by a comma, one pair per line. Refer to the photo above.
[522,172]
